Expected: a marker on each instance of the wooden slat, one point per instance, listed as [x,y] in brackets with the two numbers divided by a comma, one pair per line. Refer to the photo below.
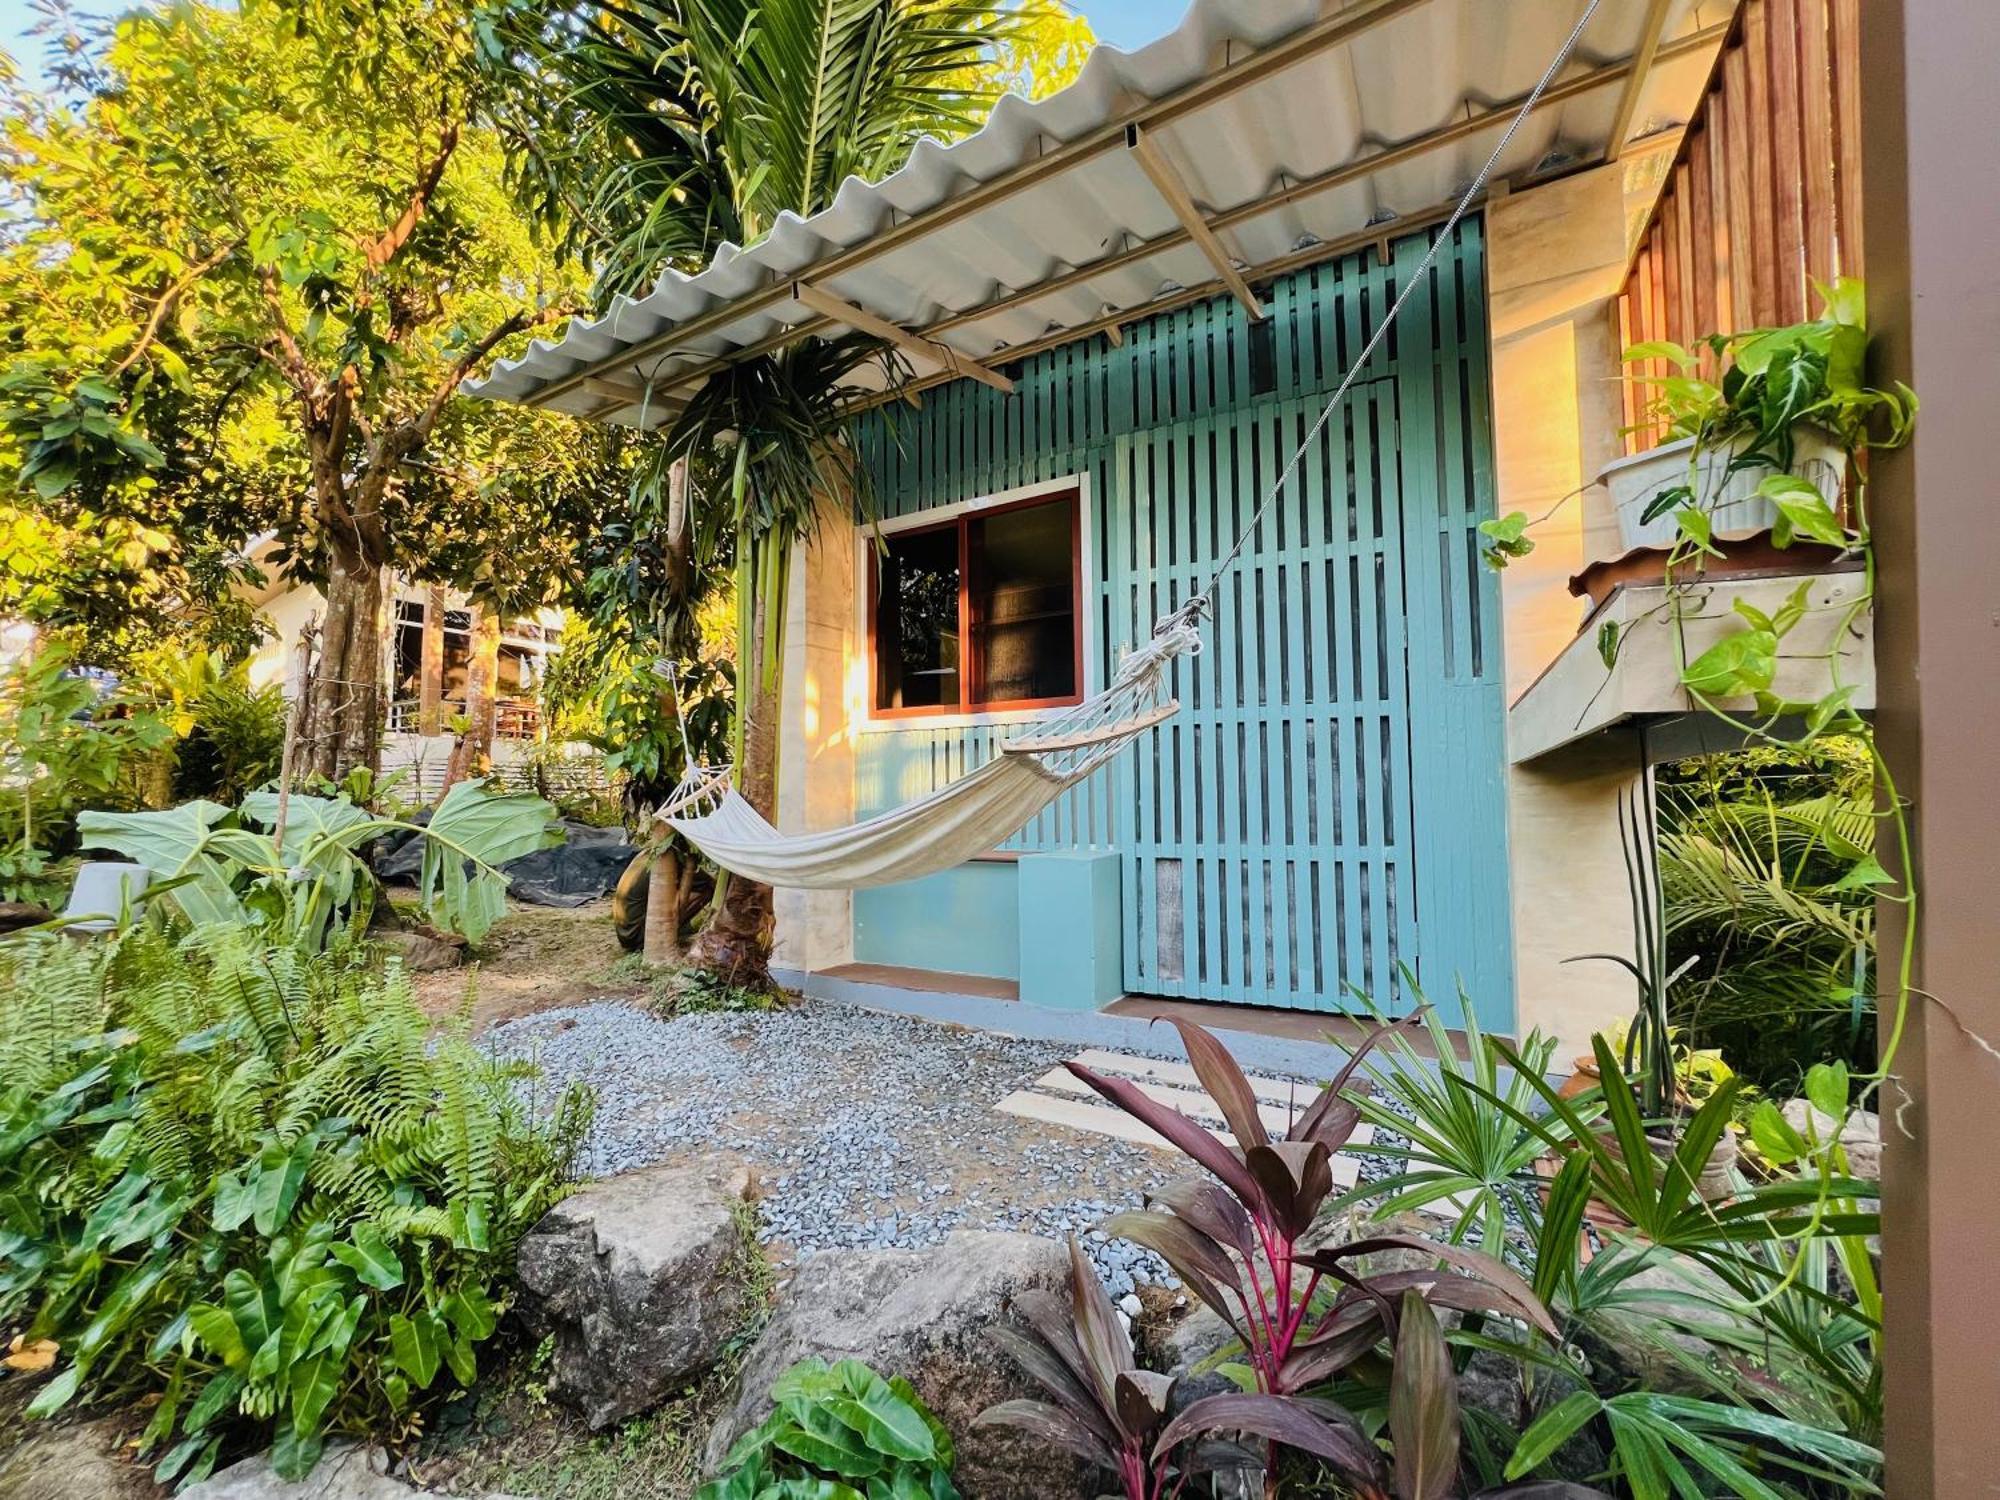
[1685,233]
[1672,323]
[1764,257]
[1721,231]
[1701,237]
[1787,162]
[1628,392]
[1847,132]
[1817,140]
[1742,254]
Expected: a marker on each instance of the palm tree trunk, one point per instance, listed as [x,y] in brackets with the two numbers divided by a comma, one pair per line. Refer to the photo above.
[663,908]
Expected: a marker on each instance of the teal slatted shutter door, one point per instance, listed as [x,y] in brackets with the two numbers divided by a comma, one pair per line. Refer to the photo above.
[1326,808]
[1328,804]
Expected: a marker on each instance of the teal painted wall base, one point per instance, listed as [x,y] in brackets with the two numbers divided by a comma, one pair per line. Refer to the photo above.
[1071,929]
[963,921]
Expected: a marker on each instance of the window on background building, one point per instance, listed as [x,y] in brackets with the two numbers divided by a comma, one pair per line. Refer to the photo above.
[409,649]
[457,655]
[981,612]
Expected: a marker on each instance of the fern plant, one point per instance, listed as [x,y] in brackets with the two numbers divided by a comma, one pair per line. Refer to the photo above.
[251,1181]
[1770,876]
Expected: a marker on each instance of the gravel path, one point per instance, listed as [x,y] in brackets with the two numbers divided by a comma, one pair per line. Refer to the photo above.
[868,1130]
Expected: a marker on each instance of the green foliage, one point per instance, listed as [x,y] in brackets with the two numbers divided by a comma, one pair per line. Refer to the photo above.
[839,1432]
[66,743]
[229,736]
[307,884]
[1774,379]
[252,1182]
[1462,1126]
[1768,864]
[243,279]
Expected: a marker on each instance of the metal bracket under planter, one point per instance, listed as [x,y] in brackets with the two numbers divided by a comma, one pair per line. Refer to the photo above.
[1578,695]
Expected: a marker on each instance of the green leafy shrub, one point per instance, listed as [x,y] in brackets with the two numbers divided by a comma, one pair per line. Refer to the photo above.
[229,735]
[251,1181]
[839,1432]
[64,746]
[307,879]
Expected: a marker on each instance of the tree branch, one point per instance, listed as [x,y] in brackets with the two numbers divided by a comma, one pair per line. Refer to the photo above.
[383,248]
[165,305]
[290,358]
[469,361]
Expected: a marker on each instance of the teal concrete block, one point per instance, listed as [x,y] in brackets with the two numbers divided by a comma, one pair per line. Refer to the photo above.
[1072,956]
[959,921]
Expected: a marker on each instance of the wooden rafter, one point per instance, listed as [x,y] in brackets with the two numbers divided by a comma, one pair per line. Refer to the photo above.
[1173,187]
[861,320]
[1654,29]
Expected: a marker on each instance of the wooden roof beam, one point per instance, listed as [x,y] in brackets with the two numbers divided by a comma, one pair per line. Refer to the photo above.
[927,349]
[1653,30]
[860,320]
[1173,187]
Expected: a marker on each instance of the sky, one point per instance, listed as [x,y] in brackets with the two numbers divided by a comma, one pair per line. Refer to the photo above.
[1123,23]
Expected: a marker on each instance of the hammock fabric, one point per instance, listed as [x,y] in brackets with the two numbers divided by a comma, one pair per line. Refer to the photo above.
[956,822]
[994,802]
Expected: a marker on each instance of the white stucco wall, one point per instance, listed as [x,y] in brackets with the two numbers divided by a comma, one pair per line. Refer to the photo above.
[1556,256]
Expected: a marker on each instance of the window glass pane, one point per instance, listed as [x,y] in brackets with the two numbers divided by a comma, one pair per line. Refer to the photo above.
[916,621]
[457,663]
[409,659]
[520,669]
[1023,603]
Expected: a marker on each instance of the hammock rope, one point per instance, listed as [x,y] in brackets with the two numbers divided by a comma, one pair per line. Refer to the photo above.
[973,814]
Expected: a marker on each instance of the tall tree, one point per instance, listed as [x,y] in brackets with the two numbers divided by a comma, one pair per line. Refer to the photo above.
[650,132]
[275,243]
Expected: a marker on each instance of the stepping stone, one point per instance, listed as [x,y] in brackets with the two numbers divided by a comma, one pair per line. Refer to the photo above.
[1060,1098]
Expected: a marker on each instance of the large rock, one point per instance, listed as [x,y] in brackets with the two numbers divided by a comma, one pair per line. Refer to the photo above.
[345,1471]
[639,1280]
[59,1460]
[924,1315]
[1860,1135]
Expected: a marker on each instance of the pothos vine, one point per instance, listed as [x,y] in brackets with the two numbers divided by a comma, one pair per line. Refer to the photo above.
[1745,400]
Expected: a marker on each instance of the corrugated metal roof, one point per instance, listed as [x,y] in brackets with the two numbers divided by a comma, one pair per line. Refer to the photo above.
[1296,125]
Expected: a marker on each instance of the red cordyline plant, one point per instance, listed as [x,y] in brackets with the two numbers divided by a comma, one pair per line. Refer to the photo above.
[1121,1418]
[1234,1237]
[1112,1413]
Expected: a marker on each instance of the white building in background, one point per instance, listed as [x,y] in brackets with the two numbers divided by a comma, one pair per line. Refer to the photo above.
[427,687]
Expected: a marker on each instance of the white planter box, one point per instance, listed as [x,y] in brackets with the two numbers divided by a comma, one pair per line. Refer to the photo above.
[1733,504]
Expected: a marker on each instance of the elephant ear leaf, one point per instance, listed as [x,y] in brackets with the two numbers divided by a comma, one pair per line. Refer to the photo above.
[470,833]
[177,841]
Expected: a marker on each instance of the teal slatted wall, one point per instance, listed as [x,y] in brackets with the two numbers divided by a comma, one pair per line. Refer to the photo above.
[1328,803]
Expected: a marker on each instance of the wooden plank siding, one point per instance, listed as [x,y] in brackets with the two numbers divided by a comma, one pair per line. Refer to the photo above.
[1327,804]
[1764,197]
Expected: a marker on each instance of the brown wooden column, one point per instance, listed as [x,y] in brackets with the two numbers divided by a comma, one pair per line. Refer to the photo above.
[1931,180]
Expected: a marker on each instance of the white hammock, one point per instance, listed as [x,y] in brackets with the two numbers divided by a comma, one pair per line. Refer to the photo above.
[956,822]
[980,810]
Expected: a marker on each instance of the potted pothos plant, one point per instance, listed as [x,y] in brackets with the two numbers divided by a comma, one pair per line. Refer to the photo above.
[1766,446]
